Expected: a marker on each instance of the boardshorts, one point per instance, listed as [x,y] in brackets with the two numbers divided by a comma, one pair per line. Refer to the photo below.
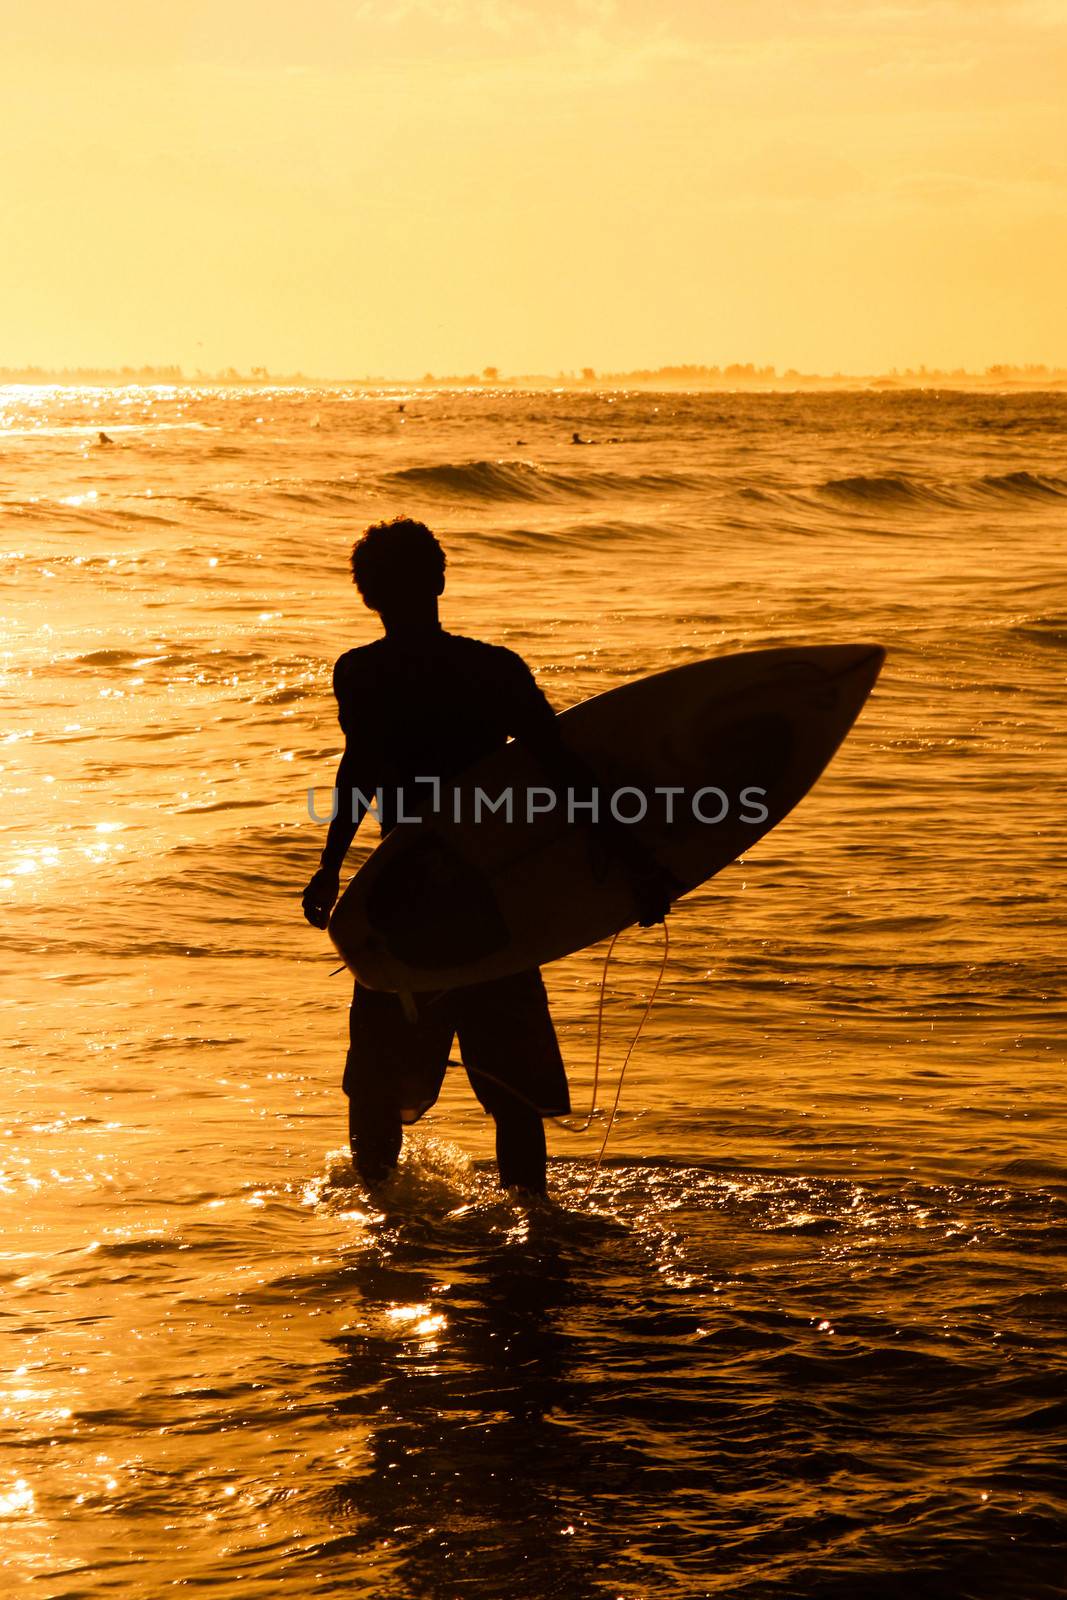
[507,1042]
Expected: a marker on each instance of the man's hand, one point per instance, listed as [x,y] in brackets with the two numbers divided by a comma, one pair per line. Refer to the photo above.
[320,895]
[653,889]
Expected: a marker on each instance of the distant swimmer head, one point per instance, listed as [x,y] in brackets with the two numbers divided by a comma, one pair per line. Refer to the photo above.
[104,438]
[398,565]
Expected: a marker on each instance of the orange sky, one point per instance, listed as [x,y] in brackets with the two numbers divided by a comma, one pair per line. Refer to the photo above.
[395,186]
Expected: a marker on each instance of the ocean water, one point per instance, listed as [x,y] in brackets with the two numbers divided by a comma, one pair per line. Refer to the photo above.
[804,1338]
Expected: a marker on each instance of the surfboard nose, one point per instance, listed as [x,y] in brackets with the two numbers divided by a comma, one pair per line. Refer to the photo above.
[865,661]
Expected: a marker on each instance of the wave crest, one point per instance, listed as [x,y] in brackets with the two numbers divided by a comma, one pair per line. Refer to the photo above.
[523,480]
[1032,485]
[898,490]
[889,490]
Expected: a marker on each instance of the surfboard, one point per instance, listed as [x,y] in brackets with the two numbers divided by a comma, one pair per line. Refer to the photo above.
[698,762]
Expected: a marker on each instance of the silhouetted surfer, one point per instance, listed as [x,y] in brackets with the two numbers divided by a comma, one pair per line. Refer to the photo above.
[416,703]
[104,438]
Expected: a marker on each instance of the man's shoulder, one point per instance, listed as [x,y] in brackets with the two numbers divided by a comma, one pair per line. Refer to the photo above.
[488,657]
[476,659]
[354,663]
[507,677]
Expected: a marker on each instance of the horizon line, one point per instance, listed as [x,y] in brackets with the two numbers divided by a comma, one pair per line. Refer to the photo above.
[679,374]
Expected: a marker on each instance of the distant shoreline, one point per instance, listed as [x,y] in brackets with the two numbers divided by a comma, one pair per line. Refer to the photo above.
[681,380]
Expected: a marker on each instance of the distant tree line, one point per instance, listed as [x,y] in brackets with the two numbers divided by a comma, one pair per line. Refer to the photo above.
[741,372]
[688,373]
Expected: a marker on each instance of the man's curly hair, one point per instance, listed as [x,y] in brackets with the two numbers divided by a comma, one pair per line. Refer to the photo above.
[394,560]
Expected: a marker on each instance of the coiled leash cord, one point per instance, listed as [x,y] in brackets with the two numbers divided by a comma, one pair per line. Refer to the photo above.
[581,1127]
[566,1125]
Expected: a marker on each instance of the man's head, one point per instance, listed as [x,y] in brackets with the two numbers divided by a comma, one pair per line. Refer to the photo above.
[398,566]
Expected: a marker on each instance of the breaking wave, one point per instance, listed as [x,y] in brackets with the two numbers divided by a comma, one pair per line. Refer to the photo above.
[881,491]
[522,480]
[1030,485]
[898,491]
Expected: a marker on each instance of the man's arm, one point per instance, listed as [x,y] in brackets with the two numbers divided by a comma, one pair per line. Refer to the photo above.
[321,892]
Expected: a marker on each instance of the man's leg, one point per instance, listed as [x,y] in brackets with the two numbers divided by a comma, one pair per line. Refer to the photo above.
[512,1058]
[393,1073]
[375,1133]
[521,1154]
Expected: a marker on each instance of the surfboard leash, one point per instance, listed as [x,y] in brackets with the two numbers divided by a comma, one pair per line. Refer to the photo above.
[587,1191]
[583,1127]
